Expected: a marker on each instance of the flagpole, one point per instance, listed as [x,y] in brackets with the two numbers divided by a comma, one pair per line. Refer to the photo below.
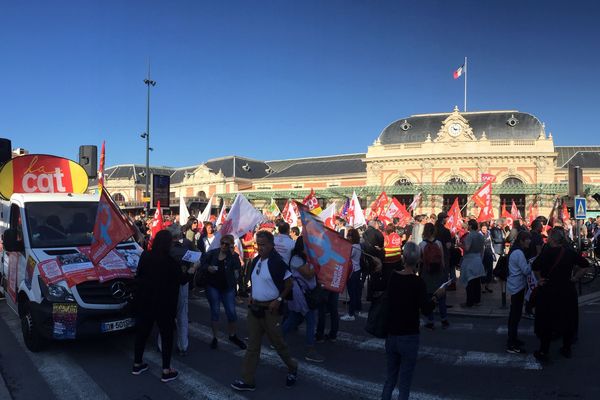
[466,73]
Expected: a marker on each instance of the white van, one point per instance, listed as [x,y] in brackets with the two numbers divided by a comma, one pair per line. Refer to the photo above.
[47,277]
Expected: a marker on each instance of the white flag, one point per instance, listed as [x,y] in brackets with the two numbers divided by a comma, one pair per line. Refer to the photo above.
[415,202]
[290,213]
[355,215]
[205,215]
[328,215]
[242,217]
[184,213]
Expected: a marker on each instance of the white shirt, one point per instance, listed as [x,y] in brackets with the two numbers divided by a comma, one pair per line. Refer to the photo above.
[263,287]
[284,245]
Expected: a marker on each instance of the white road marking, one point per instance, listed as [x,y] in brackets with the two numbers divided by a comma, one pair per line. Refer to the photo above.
[66,378]
[339,383]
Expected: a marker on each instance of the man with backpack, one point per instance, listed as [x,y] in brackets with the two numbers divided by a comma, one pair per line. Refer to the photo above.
[432,272]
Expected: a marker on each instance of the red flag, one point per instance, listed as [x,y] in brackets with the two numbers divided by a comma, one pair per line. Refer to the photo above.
[454,222]
[327,251]
[110,228]
[379,205]
[483,195]
[393,209]
[156,225]
[533,213]
[514,211]
[564,214]
[506,215]
[488,178]
[290,213]
[312,202]
[404,216]
[101,169]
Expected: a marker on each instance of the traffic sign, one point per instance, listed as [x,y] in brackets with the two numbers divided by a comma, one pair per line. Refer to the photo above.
[580,207]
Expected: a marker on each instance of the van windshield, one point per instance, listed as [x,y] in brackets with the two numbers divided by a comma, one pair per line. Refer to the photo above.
[60,224]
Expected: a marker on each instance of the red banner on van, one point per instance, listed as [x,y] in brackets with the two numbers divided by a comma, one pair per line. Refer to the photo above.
[39,173]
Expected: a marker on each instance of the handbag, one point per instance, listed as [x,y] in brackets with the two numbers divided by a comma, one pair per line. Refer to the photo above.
[377,321]
[501,269]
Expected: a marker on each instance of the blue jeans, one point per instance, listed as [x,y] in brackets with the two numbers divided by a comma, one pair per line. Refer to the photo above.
[330,305]
[355,286]
[295,318]
[401,353]
[216,297]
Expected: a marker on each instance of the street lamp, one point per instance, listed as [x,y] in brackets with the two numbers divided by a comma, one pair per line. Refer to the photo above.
[146,135]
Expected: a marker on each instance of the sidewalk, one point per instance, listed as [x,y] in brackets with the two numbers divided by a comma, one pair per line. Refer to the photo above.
[491,303]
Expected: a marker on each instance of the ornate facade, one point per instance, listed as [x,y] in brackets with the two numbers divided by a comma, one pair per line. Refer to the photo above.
[440,155]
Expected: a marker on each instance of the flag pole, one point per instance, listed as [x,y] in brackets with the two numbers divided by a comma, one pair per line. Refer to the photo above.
[466,73]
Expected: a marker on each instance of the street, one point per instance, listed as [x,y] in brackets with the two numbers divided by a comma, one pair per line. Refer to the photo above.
[467,361]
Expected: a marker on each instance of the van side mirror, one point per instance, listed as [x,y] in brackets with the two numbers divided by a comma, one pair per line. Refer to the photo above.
[11,241]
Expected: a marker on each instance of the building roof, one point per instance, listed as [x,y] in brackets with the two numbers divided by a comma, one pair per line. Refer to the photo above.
[566,153]
[495,124]
[322,168]
[245,168]
[280,165]
[585,159]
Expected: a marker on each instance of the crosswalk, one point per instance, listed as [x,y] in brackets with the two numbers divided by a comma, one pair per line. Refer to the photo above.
[63,372]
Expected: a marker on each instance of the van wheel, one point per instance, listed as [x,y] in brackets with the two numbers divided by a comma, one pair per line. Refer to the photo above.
[31,336]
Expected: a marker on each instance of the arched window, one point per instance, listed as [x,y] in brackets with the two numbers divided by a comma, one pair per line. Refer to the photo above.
[201,194]
[403,182]
[512,182]
[118,197]
[449,198]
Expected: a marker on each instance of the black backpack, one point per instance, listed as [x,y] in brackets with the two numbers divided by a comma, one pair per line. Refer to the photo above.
[501,269]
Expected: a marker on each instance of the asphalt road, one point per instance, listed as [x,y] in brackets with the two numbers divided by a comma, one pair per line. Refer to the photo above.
[467,361]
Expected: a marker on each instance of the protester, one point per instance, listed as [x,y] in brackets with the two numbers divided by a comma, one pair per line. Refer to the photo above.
[407,295]
[158,279]
[284,244]
[445,238]
[355,283]
[304,280]
[270,284]
[471,269]
[249,249]
[221,266]
[330,305]
[393,248]
[189,230]
[516,286]
[207,237]
[488,258]
[432,272]
[557,269]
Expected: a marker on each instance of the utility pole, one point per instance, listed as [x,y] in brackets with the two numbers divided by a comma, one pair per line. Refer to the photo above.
[148,82]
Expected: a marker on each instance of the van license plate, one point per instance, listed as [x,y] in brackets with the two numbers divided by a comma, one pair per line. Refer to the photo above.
[117,325]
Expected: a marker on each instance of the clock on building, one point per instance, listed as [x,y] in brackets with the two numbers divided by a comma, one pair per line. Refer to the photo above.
[454,129]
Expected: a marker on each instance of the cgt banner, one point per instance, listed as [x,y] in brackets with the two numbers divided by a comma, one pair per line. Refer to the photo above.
[39,173]
[327,251]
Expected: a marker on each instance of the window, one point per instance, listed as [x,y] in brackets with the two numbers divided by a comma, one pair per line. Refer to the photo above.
[449,198]
[518,198]
[118,197]
[201,194]
[403,182]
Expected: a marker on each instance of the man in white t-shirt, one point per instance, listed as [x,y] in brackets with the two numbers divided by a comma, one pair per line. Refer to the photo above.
[270,283]
[284,244]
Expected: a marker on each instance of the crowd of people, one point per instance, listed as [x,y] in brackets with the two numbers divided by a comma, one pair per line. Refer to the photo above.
[409,266]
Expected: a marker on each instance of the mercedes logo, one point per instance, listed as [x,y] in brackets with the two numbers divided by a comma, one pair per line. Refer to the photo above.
[118,290]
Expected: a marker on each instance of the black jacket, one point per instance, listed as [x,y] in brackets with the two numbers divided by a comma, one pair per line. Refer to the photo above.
[232,264]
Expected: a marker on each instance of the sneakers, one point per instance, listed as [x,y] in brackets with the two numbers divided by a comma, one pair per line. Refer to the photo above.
[515,350]
[138,369]
[291,378]
[529,315]
[214,343]
[429,326]
[237,341]
[312,355]
[363,314]
[330,338]
[169,376]
[445,324]
[243,387]
[347,317]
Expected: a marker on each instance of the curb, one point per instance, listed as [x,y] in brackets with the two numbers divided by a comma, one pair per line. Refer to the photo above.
[498,312]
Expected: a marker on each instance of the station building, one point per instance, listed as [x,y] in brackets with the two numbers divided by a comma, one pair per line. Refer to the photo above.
[441,156]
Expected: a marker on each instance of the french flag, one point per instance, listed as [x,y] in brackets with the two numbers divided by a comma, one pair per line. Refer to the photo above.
[459,71]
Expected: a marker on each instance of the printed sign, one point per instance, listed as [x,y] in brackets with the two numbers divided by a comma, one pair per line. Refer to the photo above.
[160,190]
[38,173]
[580,207]
[64,316]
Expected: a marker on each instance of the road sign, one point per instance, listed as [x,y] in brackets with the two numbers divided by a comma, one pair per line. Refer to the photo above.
[580,207]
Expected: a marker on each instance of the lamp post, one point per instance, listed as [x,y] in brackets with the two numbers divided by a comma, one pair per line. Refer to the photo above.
[146,135]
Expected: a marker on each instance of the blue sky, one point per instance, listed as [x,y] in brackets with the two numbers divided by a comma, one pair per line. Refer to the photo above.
[283,79]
